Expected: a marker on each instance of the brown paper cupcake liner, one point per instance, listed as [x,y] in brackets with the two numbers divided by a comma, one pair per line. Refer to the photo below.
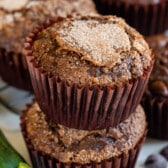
[41,160]
[14,70]
[82,106]
[148,19]
[157,116]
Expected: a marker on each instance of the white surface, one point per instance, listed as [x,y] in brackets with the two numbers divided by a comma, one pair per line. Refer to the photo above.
[10,124]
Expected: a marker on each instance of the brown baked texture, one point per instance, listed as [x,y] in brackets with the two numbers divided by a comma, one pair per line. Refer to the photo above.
[93,89]
[55,145]
[14,71]
[155,99]
[17,20]
[149,17]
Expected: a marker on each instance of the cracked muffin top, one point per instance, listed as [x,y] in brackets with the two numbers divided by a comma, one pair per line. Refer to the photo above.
[92,50]
[82,146]
[19,18]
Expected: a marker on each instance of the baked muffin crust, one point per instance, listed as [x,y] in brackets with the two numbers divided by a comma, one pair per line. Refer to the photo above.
[92,50]
[80,146]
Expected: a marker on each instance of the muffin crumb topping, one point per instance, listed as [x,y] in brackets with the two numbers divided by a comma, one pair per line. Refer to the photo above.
[100,42]
[82,146]
[92,50]
[8,6]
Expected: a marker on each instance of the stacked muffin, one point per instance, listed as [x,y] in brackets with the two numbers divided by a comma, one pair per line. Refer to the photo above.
[88,75]
[16,20]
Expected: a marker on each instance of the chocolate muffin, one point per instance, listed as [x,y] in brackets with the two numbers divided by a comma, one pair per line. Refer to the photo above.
[155,99]
[17,19]
[89,72]
[52,146]
[147,16]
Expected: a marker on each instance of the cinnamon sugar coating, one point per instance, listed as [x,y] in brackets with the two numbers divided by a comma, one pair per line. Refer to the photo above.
[92,50]
[80,146]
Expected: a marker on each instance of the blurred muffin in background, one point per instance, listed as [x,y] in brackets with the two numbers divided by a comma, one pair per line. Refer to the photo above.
[155,99]
[17,20]
[147,16]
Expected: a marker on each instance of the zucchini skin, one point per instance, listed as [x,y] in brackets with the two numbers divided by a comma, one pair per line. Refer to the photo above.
[9,157]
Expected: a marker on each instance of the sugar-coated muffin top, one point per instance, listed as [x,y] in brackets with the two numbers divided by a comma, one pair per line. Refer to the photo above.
[92,50]
[19,18]
[158,81]
[80,146]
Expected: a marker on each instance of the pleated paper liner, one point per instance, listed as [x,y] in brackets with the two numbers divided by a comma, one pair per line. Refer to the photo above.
[41,160]
[157,116]
[81,106]
[148,19]
[14,70]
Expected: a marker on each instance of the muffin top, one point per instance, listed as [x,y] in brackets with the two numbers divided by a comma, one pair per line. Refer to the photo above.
[19,18]
[92,50]
[158,81]
[80,146]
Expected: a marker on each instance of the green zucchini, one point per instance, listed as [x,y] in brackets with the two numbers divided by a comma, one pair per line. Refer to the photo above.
[9,157]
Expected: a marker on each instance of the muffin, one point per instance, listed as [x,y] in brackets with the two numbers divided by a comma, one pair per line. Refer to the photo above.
[147,16]
[16,20]
[53,145]
[88,72]
[155,99]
